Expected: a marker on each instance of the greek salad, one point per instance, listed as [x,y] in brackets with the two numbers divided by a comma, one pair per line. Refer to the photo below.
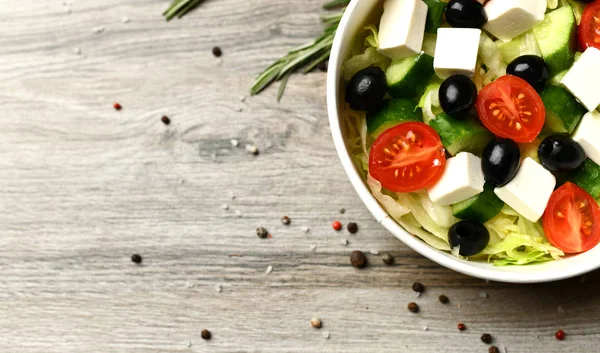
[476,125]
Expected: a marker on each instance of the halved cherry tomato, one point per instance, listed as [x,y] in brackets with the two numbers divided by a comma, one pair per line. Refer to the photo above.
[572,219]
[407,157]
[510,108]
[589,28]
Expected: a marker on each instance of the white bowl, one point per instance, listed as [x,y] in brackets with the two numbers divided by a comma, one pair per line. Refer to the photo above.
[356,16]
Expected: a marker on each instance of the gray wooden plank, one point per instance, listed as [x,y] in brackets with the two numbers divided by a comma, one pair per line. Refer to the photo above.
[82,187]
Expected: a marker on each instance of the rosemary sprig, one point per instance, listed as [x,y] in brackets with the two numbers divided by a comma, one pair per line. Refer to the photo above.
[307,56]
[178,8]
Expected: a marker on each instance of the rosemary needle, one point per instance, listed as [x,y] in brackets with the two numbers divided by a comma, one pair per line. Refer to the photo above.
[307,56]
[178,8]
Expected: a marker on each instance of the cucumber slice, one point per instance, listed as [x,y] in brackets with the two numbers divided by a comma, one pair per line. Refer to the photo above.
[435,15]
[408,77]
[525,44]
[480,208]
[587,178]
[556,39]
[460,135]
[392,113]
[563,112]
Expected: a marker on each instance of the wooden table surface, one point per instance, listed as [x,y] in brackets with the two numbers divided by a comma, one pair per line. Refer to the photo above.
[82,187]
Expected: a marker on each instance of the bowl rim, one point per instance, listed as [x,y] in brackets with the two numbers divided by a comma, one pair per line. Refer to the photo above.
[442,258]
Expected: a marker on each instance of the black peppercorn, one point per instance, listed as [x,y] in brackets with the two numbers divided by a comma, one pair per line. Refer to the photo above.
[165,119]
[358,259]
[286,220]
[443,299]
[486,338]
[413,307]
[352,227]
[217,51]
[206,334]
[136,258]
[387,259]
[262,232]
[418,287]
[493,349]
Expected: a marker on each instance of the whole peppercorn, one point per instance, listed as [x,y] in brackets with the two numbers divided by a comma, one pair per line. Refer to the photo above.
[352,227]
[387,259]
[285,220]
[418,287]
[560,335]
[117,106]
[262,232]
[462,327]
[206,334]
[315,322]
[413,307]
[136,258]
[358,259]
[165,119]
[493,349]
[486,338]
[443,299]
[217,52]
[337,225]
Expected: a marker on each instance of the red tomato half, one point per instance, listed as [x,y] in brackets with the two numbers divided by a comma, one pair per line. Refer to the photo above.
[589,28]
[572,219]
[407,157]
[510,108]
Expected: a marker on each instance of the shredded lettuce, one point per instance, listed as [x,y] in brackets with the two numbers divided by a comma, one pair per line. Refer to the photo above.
[430,101]
[517,241]
[368,57]
[395,209]
[411,225]
[491,57]
[552,4]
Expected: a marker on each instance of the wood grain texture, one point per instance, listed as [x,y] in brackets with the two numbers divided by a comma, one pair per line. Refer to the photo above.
[82,187]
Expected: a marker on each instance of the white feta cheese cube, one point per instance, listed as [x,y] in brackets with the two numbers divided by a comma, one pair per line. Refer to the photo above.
[588,135]
[462,178]
[456,51]
[529,191]
[402,28]
[508,19]
[582,79]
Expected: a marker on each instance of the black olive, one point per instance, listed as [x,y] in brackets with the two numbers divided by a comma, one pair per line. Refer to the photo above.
[366,89]
[560,153]
[500,161]
[458,95]
[471,236]
[531,68]
[465,14]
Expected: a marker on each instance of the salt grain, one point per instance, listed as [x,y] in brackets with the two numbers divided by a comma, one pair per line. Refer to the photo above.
[213,156]
[240,109]
[326,335]
[219,62]
[77,51]
[344,241]
[458,306]
[225,206]
[269,269]
[417,294]
[189,344]
[483,295]
[98,29]
[374,252]
[125,19]
[219,288]
[560,310]
[238,214]
[68,11]
[234,142]
[252,149]
[305,229]
[313,247]
[242,99]
[425,328]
